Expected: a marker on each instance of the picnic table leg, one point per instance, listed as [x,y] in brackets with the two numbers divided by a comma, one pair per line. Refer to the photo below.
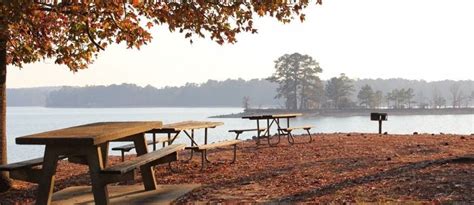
[289,133]
[191,137]
[173,138]
[148,174]
[170,141]
[291,140]
[280,132]
[310,137]
[268,129]
[258,132]
[96,164]
[268,132]
[123,155]
[277,122]
[235,154]
[238,133]
[205,142]
[154,142]
[203,159]
[104,149]
[46,182]
[192,143]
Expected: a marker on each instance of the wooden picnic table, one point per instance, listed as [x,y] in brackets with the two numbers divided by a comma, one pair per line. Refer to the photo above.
[187,127]
[271,119]
[90,142]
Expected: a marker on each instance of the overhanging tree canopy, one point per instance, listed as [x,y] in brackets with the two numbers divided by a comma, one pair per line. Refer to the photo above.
[73,32]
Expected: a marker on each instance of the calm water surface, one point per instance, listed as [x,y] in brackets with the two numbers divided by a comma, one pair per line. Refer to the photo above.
[29,120]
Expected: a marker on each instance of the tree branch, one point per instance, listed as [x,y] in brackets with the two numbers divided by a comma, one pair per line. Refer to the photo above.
[91,38]
[115,22]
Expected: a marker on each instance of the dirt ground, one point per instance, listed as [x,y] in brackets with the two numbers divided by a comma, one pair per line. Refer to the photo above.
[338,168]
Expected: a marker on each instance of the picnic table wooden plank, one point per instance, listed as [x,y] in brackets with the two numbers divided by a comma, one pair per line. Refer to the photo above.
[272,116]
[296,128]
[129,147]
[143,159]
[90,134]
[248,130]
[218,144]
[186,125]
[24,164]
[286,115]
[19,165]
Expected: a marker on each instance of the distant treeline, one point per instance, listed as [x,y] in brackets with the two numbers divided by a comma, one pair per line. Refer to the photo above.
[210,94]
[258,93]
[29,96]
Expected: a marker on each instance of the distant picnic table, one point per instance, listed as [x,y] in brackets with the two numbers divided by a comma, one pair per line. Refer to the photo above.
[88,144]
[273,119]
[188,128]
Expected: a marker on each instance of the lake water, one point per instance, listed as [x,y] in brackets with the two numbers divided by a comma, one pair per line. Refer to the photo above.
[29,120]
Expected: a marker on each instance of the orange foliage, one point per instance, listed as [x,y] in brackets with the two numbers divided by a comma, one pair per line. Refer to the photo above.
[74,31]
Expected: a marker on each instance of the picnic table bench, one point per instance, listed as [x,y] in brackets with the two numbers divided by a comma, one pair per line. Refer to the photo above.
[25,170]
[288,130]
[204,148]
[91,143]
[160,156]
[240,131]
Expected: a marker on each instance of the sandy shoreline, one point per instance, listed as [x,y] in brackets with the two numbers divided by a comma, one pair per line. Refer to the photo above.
[333,168]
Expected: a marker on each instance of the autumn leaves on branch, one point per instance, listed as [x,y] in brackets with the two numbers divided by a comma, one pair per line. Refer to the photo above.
[73,32]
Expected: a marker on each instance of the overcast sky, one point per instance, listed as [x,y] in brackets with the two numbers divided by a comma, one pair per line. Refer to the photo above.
[421,39]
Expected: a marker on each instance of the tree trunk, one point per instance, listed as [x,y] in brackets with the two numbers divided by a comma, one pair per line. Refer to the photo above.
[303,98]
[5,182]
[295,89]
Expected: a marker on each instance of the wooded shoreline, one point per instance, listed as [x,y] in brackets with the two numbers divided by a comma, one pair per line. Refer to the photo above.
[353,112]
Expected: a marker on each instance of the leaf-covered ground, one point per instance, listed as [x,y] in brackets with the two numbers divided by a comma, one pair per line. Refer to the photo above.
[338,168]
